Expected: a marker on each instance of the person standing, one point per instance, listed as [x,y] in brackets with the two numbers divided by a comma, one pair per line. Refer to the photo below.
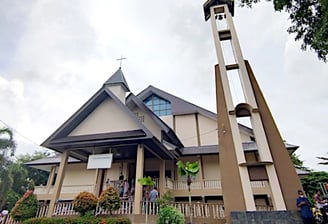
[321,206]
[304,204]
[153,195]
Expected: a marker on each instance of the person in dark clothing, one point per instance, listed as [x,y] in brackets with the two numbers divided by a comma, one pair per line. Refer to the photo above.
[304,204]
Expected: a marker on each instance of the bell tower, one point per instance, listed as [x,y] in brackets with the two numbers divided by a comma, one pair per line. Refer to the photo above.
[271,160]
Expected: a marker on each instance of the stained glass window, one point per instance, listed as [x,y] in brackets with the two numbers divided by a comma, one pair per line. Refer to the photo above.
[158,105]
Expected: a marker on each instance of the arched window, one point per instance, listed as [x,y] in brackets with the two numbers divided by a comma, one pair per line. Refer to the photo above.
[158,105]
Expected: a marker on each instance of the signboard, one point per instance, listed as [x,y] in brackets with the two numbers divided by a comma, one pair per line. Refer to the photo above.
[100,161]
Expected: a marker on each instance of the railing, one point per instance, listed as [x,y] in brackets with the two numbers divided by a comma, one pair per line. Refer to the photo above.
[200,210]
[205,184]
[259,184]
[197,210]
[64,208]
[127,208]
[67,209]
[8,220]
[215,211]
[196,184]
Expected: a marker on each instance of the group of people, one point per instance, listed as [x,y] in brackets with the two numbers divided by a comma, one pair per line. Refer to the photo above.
[306,208]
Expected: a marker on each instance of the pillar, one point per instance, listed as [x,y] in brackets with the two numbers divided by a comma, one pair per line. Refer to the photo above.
[139,174]
[59,182]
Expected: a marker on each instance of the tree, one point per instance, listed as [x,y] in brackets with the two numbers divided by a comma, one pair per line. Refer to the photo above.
[325,160]
[85,202]
[7,143]
[7,150]
[189,169]
[169,214]
[311,183]
[26,207]
[297,162]
[36,176]
[309,21]
[110,199]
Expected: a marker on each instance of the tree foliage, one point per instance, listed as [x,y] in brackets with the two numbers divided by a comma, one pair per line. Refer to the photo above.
[170,214]
[311,183]
[109,199]
[7,143]
[297,162]
[188,169]
[309,22]
[7,150]
[35,176]
[26,207]
[85,202]
[325,160]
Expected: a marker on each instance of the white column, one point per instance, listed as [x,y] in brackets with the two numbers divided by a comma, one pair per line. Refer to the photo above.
[162,178]
[139,174]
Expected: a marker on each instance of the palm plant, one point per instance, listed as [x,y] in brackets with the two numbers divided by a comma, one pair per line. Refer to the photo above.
[7,149]
[7,144]
[146,181]
[188,169]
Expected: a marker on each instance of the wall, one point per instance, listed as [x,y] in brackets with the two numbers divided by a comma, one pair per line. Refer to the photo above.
[102,121]
[77,174]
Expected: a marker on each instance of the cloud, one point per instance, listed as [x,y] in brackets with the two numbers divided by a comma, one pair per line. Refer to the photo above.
[54,55]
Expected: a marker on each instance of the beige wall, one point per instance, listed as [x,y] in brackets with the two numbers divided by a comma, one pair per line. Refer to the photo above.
[207,130]
[78,174]
[118,91]
[168,120]
[114,172]
[149,123]
[185,128]
[211,169]
[101,121]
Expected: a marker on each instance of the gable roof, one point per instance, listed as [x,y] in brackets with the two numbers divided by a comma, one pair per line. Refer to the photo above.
[180,106]
[118,79]
[61,139]
[169,134]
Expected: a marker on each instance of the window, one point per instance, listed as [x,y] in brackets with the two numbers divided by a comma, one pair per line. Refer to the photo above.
[158,105]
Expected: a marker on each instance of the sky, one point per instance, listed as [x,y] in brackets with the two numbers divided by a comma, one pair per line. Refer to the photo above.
[55,54]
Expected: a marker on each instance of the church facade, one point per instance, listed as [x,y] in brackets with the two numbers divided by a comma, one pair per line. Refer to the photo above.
[144,135]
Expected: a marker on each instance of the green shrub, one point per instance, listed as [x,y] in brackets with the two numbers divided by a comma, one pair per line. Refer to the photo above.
[26,207]
[78,220]
[110,199]
[166,200]
[170,215]
[85,202]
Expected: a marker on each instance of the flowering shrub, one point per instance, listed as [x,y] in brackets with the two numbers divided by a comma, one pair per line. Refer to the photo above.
[169,214]
[85,202]
[26,207]
[109,199]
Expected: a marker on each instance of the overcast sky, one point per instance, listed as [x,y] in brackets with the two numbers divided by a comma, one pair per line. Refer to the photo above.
[55,54]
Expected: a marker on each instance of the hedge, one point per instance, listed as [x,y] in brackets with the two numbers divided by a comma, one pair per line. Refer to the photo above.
[79,220]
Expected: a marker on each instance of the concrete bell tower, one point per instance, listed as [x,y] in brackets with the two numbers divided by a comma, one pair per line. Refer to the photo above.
[272,159]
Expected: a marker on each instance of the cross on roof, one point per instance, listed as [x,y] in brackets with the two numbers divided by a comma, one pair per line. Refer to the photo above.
[120,59]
